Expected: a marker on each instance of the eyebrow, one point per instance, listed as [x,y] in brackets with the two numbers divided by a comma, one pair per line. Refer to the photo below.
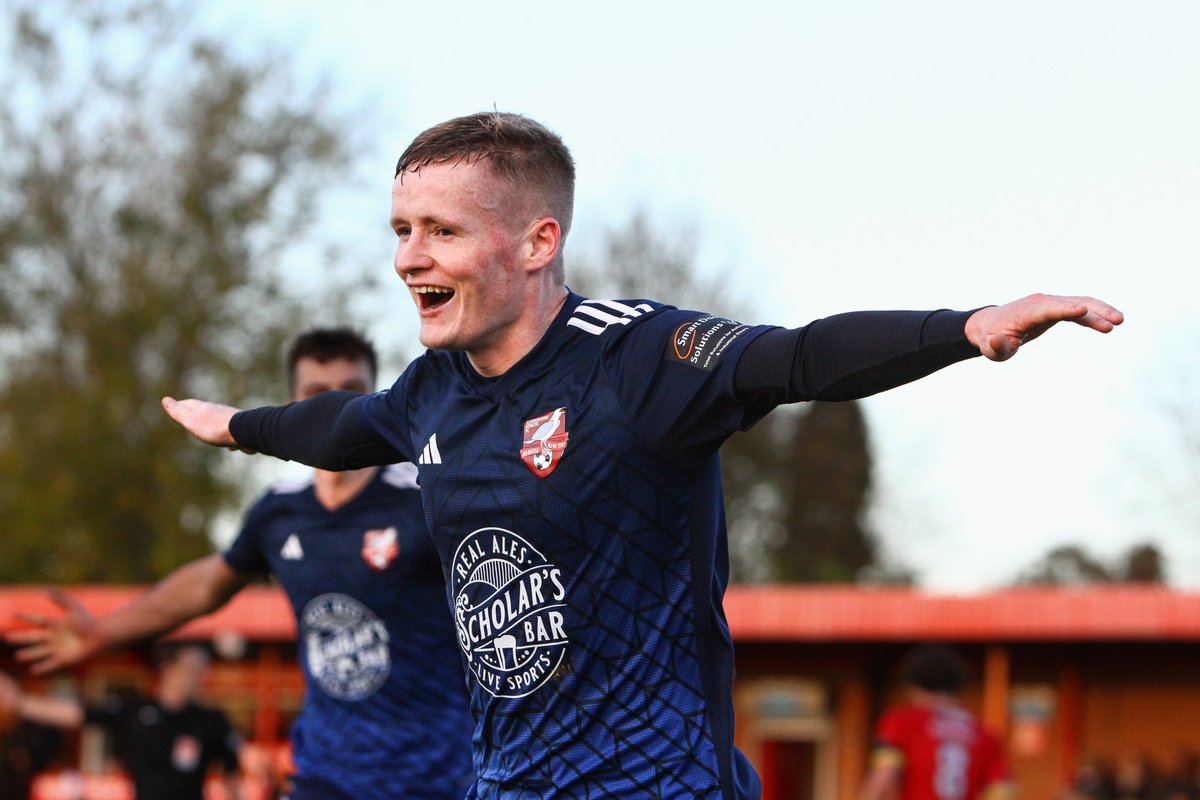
[425,221]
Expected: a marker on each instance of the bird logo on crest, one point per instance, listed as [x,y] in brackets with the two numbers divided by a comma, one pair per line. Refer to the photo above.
[543,441]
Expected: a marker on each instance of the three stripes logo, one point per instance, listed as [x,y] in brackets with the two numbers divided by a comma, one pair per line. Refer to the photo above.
[431,454]
[594,316]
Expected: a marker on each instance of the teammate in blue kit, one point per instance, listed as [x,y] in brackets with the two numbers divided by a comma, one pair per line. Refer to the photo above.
[567,451]
[386,709]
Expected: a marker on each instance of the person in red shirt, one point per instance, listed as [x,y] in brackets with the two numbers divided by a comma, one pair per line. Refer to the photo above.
[932,748]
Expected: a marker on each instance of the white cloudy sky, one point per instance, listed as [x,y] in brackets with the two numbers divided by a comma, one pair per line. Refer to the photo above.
[836,156]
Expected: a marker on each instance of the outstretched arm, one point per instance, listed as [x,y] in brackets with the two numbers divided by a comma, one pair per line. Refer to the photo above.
[233,787]
[882,783]
[999,331]
[208,422]
[854,355]
[326,431]
[193,590]
[58,712]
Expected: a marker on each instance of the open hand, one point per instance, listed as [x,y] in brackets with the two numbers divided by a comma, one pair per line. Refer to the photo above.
[208,422]
[54,642]
[999,331]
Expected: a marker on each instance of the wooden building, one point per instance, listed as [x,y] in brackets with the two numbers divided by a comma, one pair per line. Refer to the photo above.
[1067,676]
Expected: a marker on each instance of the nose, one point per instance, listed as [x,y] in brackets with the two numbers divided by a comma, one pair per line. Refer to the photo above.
[411,255]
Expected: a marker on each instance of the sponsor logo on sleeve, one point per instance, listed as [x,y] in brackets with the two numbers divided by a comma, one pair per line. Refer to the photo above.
[509,606]
[702,341]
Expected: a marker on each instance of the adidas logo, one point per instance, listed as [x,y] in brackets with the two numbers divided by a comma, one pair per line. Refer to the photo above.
[430,455]
[291,550]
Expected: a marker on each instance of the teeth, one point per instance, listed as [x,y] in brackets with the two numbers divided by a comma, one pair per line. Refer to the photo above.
[432,290]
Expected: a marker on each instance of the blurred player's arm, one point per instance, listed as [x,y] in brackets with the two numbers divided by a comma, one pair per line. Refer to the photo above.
[326,431]
[883,779]
[999,783]
[855,355]
[57,712]
[195,589]
[233,786]
[1000,790]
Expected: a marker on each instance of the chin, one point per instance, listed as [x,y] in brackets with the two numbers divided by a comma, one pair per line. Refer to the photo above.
[439,340]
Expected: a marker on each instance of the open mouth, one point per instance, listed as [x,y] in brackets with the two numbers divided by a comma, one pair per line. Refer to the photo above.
[431,297]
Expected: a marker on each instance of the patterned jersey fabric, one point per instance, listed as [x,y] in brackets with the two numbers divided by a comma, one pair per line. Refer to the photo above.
[386,712]
[576,502]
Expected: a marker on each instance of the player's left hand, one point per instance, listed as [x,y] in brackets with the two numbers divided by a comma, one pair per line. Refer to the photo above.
[49,643]
[999,331]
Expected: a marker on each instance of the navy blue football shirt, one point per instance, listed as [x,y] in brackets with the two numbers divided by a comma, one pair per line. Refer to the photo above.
[576,503]
[386,711]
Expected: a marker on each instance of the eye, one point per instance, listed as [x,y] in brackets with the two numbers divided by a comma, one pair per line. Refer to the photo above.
[403,230]
[443,231]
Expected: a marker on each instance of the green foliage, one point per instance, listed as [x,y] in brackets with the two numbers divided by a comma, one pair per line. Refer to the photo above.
[825,486]
[151,183]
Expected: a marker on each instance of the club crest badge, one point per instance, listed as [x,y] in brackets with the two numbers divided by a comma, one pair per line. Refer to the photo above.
[380,548]
[185,753]
[543,442]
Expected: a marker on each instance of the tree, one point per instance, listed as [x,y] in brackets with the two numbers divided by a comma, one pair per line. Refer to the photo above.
[1067,565]
[1072,565]
[151,182]
[1144,564]
[827,488]
[797,484]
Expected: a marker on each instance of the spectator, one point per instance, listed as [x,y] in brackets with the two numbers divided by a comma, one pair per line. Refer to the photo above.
[166,742]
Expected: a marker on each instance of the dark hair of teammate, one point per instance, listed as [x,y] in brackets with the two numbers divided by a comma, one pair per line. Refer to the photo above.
[325,344]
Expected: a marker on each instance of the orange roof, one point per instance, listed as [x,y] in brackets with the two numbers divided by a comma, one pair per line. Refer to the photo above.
[258,613]
[782,613]
[816,613]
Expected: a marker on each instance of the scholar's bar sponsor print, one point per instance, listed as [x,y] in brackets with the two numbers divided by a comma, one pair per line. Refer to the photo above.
[509,604]
[345,646]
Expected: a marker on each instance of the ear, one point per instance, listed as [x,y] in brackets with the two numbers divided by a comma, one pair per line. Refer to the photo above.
[542,243]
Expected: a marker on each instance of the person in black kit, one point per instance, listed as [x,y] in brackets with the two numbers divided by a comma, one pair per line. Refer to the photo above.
[167,742]
[26,749]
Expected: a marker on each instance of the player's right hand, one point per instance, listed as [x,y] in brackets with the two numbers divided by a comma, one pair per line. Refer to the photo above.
[208,422]
[54,642]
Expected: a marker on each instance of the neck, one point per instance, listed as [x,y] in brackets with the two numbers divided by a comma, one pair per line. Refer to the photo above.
[335,489]
[172,701]
[524,336]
